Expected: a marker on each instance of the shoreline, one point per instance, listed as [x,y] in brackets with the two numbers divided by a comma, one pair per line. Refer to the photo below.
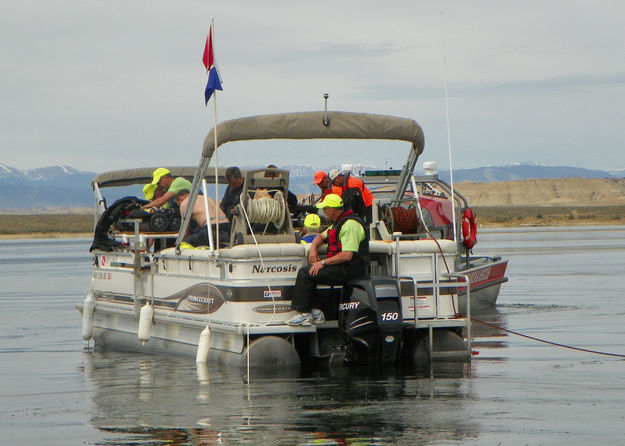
[51,226]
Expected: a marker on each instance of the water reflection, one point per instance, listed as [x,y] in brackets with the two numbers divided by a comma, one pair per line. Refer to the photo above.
[154,399]
[490,340]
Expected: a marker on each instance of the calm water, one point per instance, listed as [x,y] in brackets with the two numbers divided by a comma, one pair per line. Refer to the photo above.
[566,286]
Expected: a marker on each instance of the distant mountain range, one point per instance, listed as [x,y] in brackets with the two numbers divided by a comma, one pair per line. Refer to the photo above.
[526,171]
[55,186]
[65,187]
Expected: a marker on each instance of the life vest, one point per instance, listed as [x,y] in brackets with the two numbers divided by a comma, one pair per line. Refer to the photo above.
[469,229]
[332,190]
[334,242]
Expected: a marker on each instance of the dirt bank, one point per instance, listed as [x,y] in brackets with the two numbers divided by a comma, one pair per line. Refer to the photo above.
[572,192]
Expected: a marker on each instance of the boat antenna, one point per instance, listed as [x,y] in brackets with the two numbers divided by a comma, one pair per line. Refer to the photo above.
[326,120]
[451,170]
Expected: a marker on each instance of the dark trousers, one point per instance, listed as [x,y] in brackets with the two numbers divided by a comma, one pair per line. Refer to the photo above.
[306,285]
[199,237]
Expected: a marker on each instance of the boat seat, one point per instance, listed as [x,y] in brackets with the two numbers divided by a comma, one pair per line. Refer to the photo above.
[250,251]
[405,247]
[427,246]
[413,246]
[266,250]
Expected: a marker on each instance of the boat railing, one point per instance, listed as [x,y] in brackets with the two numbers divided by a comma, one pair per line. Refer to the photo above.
[436,282]
[462,281]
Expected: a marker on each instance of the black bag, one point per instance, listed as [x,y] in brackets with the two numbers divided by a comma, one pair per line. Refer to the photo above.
[113,215]
[352,199]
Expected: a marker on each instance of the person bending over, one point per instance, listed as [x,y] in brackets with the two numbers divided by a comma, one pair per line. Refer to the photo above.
[322,180]
[163,188]
[199,236]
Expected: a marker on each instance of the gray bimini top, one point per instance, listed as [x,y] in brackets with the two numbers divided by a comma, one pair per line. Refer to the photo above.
[310,125]
[303,125]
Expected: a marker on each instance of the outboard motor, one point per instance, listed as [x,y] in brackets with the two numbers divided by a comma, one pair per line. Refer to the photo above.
[370,317]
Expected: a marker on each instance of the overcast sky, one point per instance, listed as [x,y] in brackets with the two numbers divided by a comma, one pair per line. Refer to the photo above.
[119,84]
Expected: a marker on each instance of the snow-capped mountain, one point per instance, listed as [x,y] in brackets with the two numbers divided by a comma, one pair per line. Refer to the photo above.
[54,186]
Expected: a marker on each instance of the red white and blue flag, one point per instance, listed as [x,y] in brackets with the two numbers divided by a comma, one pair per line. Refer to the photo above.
[214,80]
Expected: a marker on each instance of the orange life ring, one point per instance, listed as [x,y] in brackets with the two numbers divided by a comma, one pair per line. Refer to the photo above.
[469,229]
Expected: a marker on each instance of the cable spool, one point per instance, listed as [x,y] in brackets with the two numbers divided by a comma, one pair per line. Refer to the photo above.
[400,219]
[267,209]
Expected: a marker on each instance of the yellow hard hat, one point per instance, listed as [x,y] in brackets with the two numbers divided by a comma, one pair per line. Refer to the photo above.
[331,201]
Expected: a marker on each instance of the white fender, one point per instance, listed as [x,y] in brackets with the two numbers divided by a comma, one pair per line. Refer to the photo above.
[203,346]
[87,317]
[145,323]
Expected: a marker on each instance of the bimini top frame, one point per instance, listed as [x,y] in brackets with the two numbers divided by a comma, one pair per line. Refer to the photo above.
[309,125]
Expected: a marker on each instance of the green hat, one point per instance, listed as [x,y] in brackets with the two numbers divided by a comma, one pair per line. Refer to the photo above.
[331,201]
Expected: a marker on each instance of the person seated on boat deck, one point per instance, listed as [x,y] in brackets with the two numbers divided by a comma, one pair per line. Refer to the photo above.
[312,223]
[355,194]
[347,259]
[164,187]
[232,196]
[321,179]
[198,236]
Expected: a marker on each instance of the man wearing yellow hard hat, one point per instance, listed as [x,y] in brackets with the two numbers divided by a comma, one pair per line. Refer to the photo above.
[348,258]
[163,188]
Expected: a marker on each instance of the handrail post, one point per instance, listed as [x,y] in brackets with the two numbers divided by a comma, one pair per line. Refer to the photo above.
[468,289]
[396,235]
[138,281]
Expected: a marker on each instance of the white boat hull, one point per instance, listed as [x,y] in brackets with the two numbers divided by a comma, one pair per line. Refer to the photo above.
[194,289]
[486,276]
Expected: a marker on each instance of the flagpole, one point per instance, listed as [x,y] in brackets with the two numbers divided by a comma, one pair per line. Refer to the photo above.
[212,32]
[216,168]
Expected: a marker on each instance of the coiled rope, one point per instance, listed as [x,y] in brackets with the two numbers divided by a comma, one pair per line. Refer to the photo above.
[263,211]
[400,219]
[405,220]
[545,341]
[267,209]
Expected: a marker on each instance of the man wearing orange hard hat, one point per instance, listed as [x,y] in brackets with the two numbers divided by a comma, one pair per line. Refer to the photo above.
[321,179]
